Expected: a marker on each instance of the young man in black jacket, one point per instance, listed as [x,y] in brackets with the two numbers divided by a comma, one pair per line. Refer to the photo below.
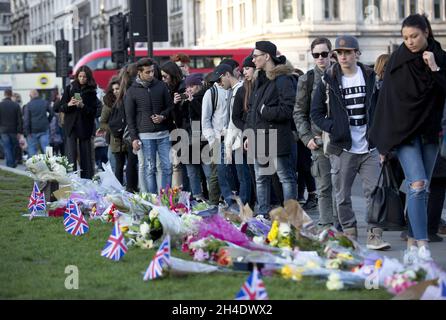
[270,116]
[347,119]
[147,106]
[11,127]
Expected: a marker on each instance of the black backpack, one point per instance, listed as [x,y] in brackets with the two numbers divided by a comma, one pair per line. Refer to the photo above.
[116,122]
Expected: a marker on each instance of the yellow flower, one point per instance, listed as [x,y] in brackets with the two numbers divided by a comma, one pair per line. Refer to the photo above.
[345,256]
[378,264]
[124,229]
[333,264]
[287,272]
[274,232]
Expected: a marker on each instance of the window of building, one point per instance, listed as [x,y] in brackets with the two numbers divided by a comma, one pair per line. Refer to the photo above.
[331,9]
[254,12]
[285,9]
[437,9]
[219,17]
[402,9]
[242,15]
[302,8]
[413,6]
[230,15]
[371,9]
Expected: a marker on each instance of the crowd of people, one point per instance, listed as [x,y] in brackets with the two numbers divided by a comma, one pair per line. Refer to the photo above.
[263,131]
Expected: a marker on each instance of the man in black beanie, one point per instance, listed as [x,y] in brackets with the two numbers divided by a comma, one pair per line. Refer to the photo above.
[270,116]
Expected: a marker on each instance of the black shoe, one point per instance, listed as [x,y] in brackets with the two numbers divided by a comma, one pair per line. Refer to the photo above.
[311,203]
[435,238]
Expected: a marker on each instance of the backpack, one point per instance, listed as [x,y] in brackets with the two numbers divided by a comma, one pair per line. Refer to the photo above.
[214,98]
[116,122]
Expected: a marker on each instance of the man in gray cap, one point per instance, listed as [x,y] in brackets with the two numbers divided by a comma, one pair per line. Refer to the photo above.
[347,118]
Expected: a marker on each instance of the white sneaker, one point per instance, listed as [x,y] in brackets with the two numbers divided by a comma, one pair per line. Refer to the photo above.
[424,254]
[410,256]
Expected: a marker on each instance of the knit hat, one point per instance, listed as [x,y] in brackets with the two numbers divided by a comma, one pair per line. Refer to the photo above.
[248,62]
[194,79]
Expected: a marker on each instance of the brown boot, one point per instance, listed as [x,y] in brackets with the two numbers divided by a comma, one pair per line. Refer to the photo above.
[352,233]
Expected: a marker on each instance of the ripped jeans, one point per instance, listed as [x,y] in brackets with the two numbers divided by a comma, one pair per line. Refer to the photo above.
[417,160]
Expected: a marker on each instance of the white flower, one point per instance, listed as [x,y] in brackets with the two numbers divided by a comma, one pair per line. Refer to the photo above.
[258,240]
[411,274]
[334,282]
[144,229]
[284,229]
[153,214]
[198,244]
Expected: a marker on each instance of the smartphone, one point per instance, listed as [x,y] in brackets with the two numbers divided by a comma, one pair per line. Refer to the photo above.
[77,96]
[184,96]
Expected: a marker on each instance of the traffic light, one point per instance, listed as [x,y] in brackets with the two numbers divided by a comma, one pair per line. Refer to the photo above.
[63,58]
[119,38]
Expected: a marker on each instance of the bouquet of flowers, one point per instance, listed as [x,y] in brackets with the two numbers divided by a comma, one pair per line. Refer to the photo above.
[175,199]
[145,232]
[401,281]
[208,249]
[45,167]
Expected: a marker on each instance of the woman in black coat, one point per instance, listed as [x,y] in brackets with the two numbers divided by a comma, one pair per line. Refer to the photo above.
[407,120]
[79,103]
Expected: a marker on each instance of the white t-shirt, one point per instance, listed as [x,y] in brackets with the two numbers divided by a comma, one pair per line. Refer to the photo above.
[354,92]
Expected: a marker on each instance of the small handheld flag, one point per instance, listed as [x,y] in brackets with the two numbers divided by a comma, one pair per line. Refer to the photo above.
[36,201]
[161,259]
[253,288]
[115,248]
[74,221]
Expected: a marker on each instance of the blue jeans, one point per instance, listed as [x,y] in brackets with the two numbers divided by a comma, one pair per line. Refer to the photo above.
[263,183]
[225,178]
[150,150]
[10,143]
[244,177]
[193,173]
[36,141]
[418,162]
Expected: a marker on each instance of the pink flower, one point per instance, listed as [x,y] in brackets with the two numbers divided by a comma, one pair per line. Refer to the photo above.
[201,255]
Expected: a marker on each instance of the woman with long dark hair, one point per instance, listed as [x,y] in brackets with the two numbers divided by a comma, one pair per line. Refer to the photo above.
[407,120]
[173,78]
[79,103]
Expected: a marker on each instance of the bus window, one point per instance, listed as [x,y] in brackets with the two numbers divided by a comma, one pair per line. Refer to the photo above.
[110,65]
[206,62]
[11,63]
[98,64]
[40,62]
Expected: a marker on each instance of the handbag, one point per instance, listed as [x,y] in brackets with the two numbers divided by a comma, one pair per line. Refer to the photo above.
[386,210]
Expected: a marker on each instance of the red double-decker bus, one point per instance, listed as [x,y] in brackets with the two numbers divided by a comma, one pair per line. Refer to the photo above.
[202,60]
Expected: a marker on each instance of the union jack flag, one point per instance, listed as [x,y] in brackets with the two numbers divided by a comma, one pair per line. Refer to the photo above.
[161,259]
[36,201]
[115,248]
[253,288]
[74,221]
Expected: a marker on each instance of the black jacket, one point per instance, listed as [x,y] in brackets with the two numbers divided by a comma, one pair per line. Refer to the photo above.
[411,100]
[37,116]
[79,121]
[140,106]
[239,116]
[271,108]
[338,125]
[10,117]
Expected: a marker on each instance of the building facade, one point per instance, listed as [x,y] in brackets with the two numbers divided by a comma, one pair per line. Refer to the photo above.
[293,24]
[5,23]
[184,22]
[20,22]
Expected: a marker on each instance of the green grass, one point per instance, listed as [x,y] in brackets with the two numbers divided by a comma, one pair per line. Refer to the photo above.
[34,255]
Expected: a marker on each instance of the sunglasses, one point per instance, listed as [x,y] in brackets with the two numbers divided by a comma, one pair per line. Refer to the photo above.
[323,54]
